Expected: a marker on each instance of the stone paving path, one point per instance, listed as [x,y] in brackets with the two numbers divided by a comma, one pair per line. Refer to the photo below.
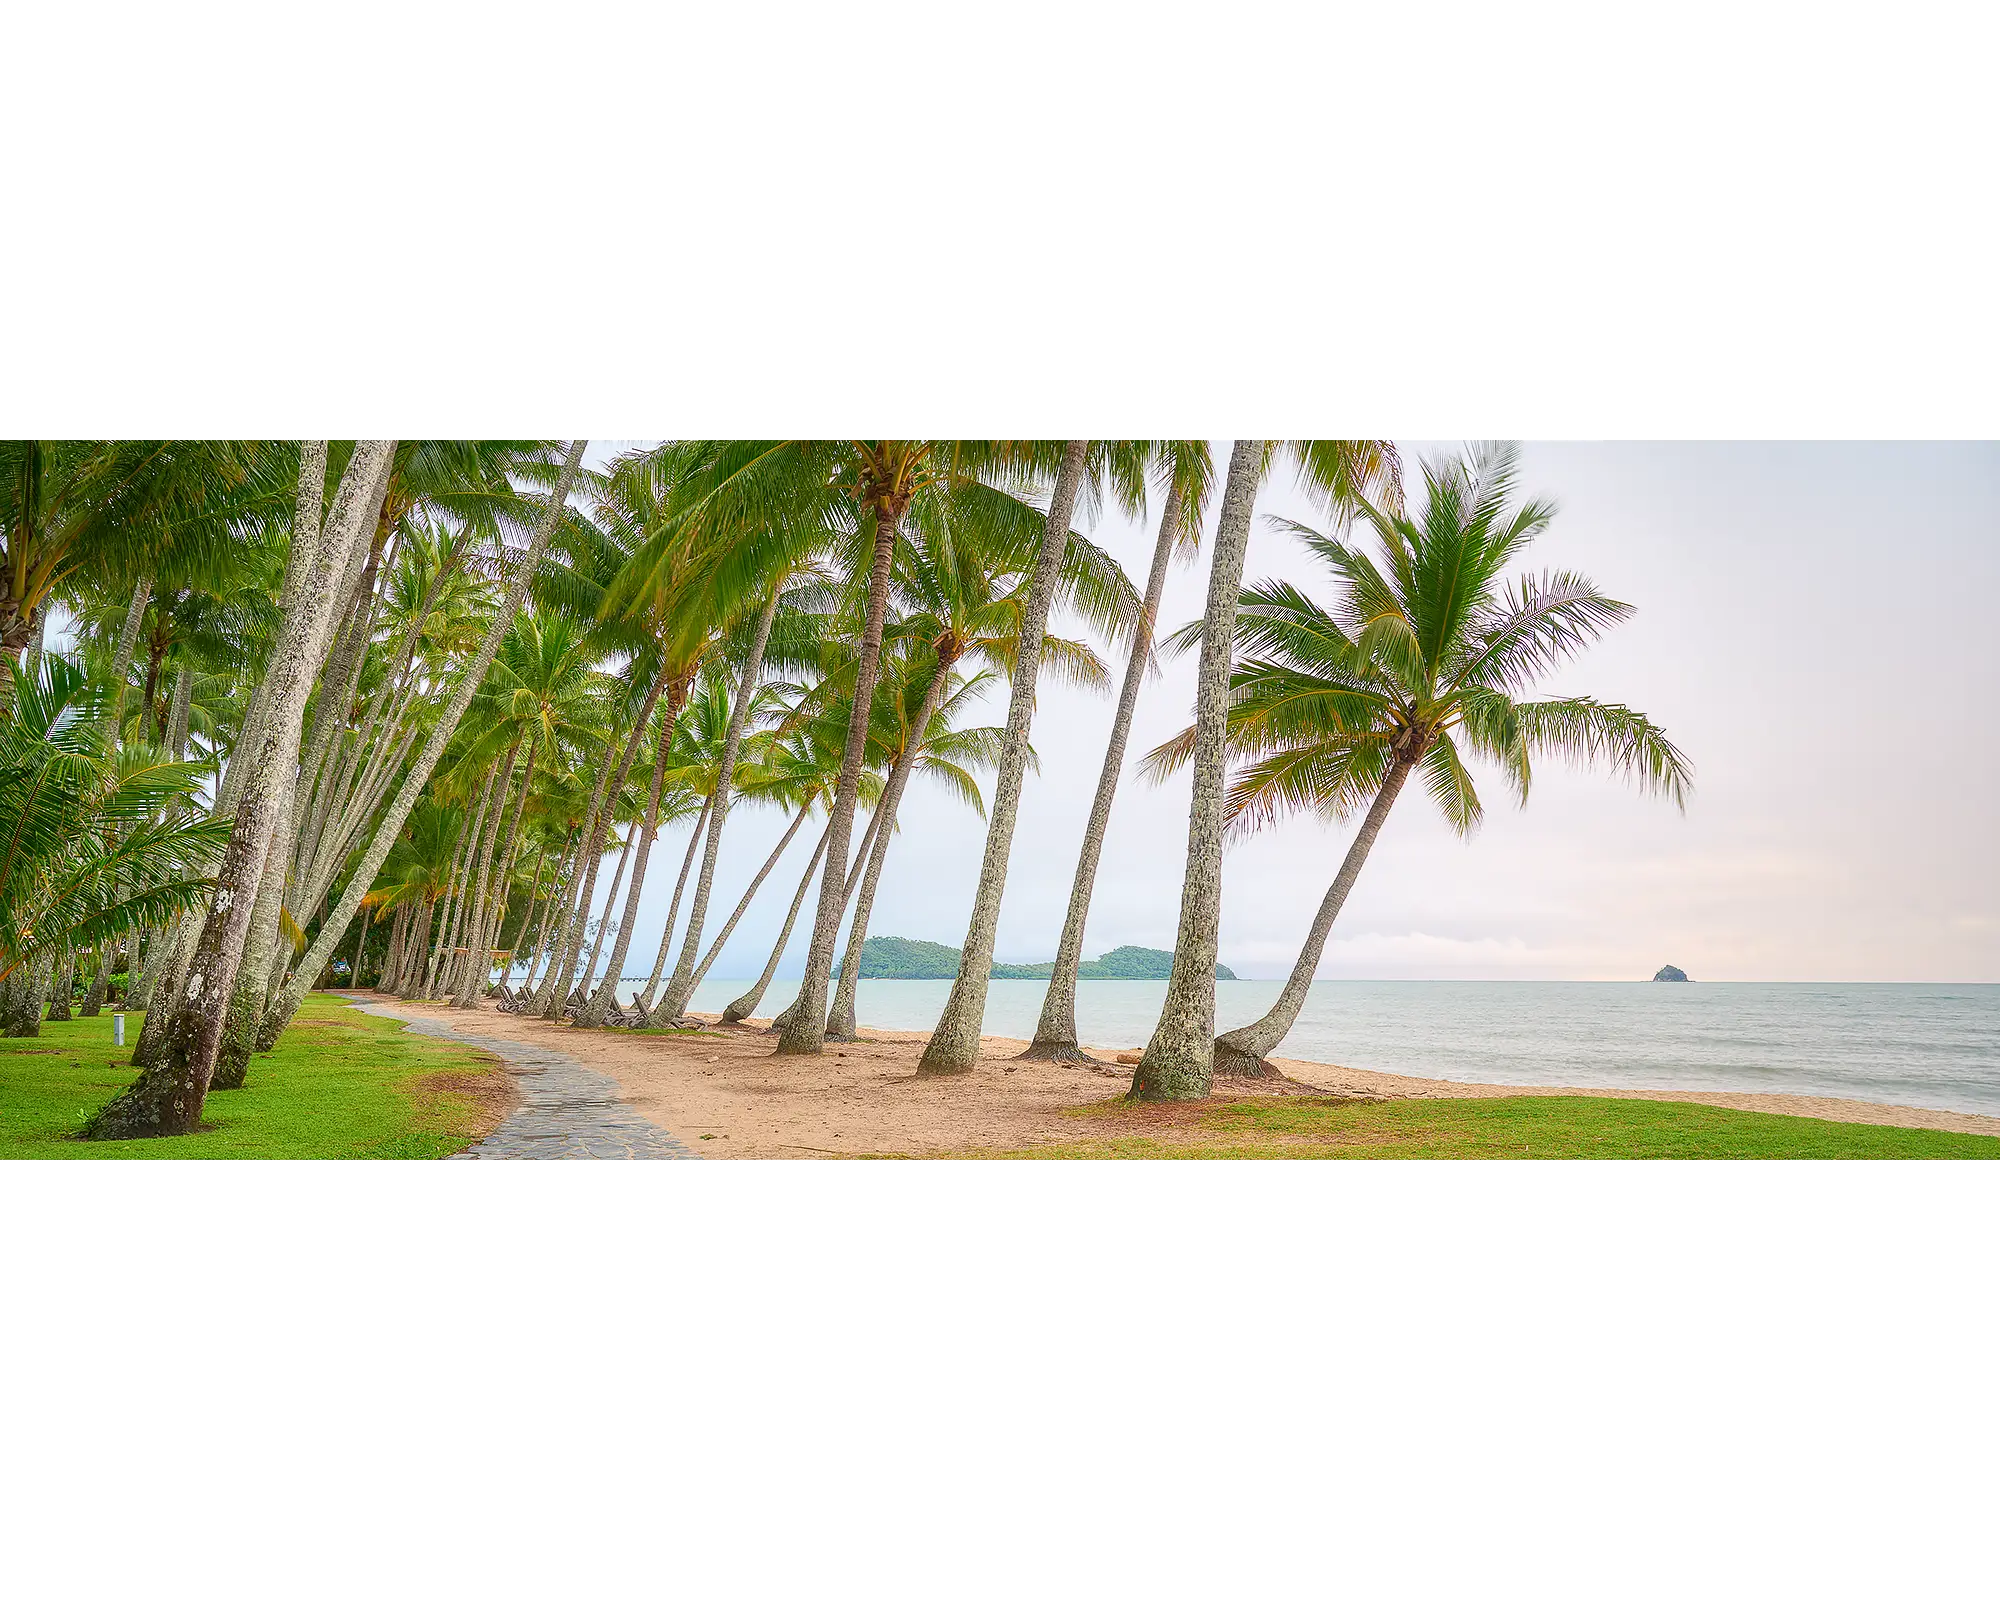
[572,1113]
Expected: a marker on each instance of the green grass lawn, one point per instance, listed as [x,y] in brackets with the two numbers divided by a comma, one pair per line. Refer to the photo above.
[340,1085]
[1525,1127]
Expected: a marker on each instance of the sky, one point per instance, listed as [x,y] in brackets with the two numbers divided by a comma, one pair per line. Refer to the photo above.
[1813,628]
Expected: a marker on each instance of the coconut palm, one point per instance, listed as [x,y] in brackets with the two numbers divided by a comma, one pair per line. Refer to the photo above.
[186,1038]
[1185,470]
[1415,665]
[963,585]
[1178,1060]
[513,592]
[913,742]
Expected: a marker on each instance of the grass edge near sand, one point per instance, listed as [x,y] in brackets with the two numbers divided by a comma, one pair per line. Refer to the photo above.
[341,1085]
[1500,1127]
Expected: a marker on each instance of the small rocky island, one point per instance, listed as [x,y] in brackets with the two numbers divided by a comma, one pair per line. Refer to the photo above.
[890,957]
[1671,974]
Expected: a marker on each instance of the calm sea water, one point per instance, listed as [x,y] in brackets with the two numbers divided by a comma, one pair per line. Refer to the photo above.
[1914,1044]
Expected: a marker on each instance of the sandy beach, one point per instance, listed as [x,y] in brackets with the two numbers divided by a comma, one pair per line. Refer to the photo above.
[724,1090]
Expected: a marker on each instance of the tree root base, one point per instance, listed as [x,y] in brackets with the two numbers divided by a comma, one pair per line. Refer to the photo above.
[1231,1062]
[1063,1050]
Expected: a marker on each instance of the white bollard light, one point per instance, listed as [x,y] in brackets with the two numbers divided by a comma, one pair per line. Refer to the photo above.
[118,1028]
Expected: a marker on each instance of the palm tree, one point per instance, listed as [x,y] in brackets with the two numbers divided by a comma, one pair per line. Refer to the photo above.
[861,489]
[924,742]
[1417,663]
[186,1039]
[94,847]
[1178,1060]
[1187,470]
[333,927]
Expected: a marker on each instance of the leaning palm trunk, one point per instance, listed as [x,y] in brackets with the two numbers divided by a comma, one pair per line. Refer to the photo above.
[645,999]
[1242,1053]
[1178,1063]
[1055,1034]
[170,1091]
[840,1020]
[954,1043]
[588,973]
[861,855]
[805,1031]
[611,785]
[128,644]
[556,901]
[749,894]
[246,1005]
[682,985]
[333,927]
[598,1006]
[491,916]
[413,953]
[441,958]
[744,1004]
[469,973]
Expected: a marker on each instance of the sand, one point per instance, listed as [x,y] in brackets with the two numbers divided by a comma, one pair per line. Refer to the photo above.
[725,1093]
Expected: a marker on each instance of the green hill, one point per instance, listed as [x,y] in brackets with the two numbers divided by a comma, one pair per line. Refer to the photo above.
[921,958]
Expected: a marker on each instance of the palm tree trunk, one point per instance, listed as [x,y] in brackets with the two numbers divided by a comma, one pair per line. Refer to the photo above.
[682,984]
[588,972]
[170,1091]
[954,1043]
[1055,1033]
[805,1032]
[470,973]
[360,945]
[744,1004]
[413,953]
[527,907]
[601,1000]
[840,1020]
[493,909]
[461,888]
[128,644]
[398,927]
[59,994]
[610,789]
[559,892]
[1178,1063]
[246,1005]
[1242,1053]
[333,927]
[868,837]
[749,894]
[674,908]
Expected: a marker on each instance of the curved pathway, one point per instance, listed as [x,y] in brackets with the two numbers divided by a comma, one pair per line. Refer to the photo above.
[570,1114]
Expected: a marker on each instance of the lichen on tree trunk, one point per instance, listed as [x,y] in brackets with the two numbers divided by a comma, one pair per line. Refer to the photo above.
[1178,1062]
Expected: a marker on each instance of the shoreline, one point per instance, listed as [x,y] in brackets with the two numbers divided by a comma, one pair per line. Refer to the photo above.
[725,1088]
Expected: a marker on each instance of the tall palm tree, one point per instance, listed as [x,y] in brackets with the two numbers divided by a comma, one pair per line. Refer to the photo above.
[1417,663]
[173,1081]
[862,488]
[1178,1061]
[925,742]
[514,590]
[1186,470]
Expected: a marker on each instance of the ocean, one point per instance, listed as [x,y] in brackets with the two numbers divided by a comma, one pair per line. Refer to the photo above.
[1913,1044]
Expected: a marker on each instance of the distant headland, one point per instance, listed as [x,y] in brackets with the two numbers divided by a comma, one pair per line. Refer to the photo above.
[1671,974]
[890,957]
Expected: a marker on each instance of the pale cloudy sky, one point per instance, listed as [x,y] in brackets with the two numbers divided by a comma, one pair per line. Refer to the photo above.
[1813,628]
